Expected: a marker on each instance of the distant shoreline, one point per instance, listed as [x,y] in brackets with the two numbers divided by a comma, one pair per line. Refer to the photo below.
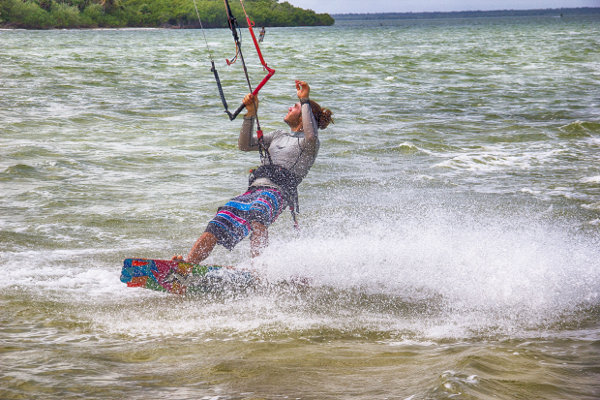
[77,14]
[468,14]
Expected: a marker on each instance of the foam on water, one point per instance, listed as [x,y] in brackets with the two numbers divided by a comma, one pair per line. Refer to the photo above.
[436,274]
[591,179]
[523,270]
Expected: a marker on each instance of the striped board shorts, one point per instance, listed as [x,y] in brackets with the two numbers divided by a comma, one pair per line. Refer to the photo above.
[232,222]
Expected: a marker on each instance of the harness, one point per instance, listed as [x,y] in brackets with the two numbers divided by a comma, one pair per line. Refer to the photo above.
[285,179]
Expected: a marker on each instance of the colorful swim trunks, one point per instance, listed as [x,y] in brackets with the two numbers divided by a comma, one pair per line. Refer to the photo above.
[232,222]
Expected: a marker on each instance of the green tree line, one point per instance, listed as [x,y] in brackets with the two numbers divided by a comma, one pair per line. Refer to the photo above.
[49,14]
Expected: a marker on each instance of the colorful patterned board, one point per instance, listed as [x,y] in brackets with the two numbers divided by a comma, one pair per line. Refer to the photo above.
[183,278]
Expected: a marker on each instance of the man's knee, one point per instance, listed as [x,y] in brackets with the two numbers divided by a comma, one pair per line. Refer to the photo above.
[258,229]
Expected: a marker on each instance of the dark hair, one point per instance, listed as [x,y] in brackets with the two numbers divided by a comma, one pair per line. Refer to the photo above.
[322,115]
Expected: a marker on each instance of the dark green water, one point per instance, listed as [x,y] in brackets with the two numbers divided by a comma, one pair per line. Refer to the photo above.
[450,226]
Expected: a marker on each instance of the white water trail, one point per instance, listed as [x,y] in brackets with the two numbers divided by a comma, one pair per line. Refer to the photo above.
[487,272]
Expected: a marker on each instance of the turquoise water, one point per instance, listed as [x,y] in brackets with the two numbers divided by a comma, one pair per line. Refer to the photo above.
[449,228]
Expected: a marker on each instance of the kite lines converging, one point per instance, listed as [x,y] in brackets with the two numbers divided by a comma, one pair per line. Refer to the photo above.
[237,33]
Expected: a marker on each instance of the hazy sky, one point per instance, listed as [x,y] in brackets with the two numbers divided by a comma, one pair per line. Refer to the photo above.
[362,6]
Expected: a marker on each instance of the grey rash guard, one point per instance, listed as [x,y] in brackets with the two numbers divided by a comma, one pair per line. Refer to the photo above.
[295,151]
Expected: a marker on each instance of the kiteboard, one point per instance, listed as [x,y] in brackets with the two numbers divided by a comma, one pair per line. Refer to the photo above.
[181,277]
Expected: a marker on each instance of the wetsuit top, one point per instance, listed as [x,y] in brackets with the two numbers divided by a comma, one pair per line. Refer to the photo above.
[295,151]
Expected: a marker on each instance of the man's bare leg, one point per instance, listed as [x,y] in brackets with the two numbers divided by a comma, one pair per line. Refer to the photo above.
[201,249]
[259,239]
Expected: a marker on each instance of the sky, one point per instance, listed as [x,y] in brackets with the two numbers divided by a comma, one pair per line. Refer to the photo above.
[373,6]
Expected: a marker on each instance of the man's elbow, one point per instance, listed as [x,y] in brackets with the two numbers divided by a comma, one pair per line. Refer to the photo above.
[244,147]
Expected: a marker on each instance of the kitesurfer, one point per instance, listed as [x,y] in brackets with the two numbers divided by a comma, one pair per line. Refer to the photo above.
[273,185]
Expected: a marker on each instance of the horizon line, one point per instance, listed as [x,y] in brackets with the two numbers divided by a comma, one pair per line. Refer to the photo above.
[463,11]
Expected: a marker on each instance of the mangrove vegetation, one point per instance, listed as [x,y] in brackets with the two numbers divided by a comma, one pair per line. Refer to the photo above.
[49,14]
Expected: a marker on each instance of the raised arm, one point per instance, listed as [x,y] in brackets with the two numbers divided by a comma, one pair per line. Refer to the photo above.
[309,123]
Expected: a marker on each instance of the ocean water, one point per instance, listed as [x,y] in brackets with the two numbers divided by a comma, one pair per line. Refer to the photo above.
[450,228]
